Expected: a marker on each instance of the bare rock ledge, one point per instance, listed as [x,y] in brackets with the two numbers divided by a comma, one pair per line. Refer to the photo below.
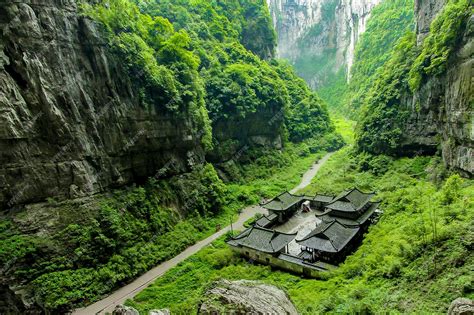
[245,297]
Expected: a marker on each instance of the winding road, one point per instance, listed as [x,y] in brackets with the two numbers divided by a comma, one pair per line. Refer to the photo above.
[108,304]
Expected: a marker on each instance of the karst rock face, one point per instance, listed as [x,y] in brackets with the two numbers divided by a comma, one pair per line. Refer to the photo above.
[313,29]
[442,114]
[71,122]
[323,35]
[245,297]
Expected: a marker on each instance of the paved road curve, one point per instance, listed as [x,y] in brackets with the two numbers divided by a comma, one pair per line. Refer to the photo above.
[130,290]
[309,175]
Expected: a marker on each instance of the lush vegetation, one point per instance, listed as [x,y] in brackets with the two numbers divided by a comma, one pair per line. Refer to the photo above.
[389,21]
[417,259]
[159,59]
[204,60]
[384,108]
[75,253]
[335,92]
[445,34]
[383,115]
[209,62]
[82,256]
[303,119]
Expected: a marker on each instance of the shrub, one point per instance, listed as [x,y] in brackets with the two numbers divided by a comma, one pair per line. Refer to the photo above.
[445,33]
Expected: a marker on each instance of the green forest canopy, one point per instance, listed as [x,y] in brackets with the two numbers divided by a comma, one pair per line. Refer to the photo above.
[210,59]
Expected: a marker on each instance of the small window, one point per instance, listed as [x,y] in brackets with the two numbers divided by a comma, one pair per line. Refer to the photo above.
[267,260]
[247,253]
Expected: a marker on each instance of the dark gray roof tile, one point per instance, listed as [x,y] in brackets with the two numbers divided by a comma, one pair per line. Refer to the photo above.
[329,237]
[262,239]
[282,202]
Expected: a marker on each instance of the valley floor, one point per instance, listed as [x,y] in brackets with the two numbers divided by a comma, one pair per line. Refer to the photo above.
[107,305]
[417,259]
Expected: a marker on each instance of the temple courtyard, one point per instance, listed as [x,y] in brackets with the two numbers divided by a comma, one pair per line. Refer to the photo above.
[308,234]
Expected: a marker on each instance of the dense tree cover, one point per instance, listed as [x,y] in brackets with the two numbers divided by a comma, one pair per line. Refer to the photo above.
[247,21]
[384,109]
[388,22]
[95,248]
[382,117]
[197,59]
[307,116]
[416,259]
[85,255]
[158,58]
[208,55]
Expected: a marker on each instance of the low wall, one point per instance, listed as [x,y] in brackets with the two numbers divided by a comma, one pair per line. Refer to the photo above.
[284,264]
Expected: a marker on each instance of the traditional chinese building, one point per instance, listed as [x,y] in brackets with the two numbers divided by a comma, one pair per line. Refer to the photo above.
[352,208]
[344,221]
[330,242]
[260,243]
[284,205]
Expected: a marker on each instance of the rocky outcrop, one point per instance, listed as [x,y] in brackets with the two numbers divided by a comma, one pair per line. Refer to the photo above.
[124,310]
[245,297]
[319,33]
[426,11]
[461,306]
[71,120]
[441,111]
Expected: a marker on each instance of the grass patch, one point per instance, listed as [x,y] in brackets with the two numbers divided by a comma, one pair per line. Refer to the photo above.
[77,260]
[417,259]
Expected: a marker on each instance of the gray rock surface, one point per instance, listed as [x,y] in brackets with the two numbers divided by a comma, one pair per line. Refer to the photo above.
[339,31]
[461,306]
[442,114]
[72,123]
[125,310]
[71,120]
[164,311]
[245,297]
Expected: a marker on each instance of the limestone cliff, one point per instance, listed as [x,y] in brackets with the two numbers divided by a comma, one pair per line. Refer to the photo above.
[71,122]
[319,37]
[441,111]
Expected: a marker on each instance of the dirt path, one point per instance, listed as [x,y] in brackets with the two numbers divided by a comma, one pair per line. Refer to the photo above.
[108,304]
[309,175]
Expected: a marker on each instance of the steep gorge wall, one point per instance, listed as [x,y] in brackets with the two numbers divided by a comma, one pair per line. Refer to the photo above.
[441,111]
[319,37]
[71,121]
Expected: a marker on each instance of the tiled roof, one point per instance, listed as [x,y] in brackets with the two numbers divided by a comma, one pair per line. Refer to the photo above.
[266,220]
[323,198]
[350,200]
[262,239]
[282,202]
[359,221]
[341,206]
[329,237]
[299,261]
